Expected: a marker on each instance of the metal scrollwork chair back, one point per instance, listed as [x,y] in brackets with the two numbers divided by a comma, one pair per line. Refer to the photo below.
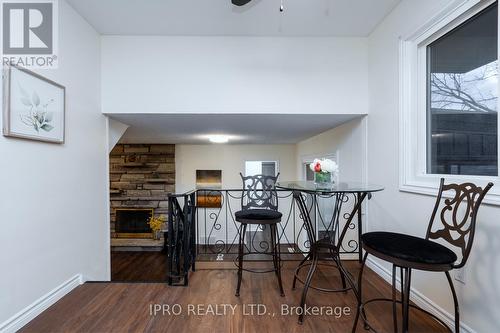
[259,207]
[456,216]
[259,191]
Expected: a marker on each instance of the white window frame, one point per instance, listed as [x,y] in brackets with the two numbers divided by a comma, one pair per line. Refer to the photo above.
[277,163]
[413,102]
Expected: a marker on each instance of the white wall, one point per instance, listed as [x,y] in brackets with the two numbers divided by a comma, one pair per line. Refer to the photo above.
[231,160]
[53,197]
[143,74]
[347,142]
[116,129]
[410,213]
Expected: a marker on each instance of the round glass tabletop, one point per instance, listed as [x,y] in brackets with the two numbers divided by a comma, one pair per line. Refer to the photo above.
[341,187]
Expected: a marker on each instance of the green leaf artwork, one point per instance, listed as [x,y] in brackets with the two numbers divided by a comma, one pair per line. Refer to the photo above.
[37,115]
[47,127]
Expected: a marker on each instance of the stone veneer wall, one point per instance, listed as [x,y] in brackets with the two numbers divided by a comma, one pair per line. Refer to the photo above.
[141,176]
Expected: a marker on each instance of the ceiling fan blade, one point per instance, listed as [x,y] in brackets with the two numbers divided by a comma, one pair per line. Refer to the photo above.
[240,2]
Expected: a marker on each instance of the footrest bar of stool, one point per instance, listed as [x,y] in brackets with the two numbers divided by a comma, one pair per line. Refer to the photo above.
[326,290]
[367,323]
[270,270]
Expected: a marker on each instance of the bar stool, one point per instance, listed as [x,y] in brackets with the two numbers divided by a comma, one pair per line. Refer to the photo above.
[259,203]
[454,227]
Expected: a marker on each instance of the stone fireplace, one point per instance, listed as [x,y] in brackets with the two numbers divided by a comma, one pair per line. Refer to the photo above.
[141,177]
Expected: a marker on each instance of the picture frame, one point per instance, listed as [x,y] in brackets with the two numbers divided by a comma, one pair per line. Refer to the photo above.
[209,185]
[34,107]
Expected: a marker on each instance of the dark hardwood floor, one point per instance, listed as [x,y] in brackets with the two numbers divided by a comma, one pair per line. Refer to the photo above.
[138,266]
[126,307]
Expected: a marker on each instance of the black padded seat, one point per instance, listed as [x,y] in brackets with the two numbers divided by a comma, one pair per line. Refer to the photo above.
[408,248]
[258,216]
[409,252]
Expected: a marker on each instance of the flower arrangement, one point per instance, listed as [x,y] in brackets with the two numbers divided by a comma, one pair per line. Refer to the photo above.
[156,223]
[324,165]
[323,170]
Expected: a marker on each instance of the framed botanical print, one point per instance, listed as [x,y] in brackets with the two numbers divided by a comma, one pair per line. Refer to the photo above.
[33,106]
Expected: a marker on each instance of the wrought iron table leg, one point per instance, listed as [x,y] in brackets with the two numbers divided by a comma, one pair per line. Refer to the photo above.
[360,230]
[314,251]
[336,258]
[298,267]
[307,283]
[359,294]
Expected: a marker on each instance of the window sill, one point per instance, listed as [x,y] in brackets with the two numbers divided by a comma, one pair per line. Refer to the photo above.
[431,189]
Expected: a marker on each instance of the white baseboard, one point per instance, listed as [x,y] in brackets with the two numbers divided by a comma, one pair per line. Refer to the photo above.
[24,316]
[349,256]
[418,298]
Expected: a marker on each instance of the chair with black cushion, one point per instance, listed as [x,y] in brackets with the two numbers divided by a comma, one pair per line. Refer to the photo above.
[453,223]
[259,203]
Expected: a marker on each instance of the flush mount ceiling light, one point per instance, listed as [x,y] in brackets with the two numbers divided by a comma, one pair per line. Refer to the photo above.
[218,138]
[240,2]
[244,2]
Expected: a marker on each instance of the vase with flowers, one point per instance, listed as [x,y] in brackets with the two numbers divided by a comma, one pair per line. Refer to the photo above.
[156,224]
[324,172]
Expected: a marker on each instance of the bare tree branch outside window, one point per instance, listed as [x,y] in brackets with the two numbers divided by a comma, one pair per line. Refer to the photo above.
[472,91]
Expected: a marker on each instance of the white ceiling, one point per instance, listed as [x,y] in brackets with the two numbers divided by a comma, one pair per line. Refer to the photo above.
[221,18]
[241,128]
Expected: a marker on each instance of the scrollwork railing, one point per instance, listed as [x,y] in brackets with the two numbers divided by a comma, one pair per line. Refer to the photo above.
[217,231]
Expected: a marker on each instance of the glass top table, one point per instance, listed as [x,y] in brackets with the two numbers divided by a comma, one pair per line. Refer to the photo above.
[328,241]
[341,187]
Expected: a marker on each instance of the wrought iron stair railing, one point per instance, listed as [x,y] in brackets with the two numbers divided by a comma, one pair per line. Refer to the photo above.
[202,230]
[181,235]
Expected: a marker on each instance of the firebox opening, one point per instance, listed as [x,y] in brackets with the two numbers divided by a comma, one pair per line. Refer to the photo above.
[133,223]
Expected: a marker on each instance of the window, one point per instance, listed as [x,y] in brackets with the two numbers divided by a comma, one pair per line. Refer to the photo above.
[449,99]
[309,174]
[462,94]
[268,168]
